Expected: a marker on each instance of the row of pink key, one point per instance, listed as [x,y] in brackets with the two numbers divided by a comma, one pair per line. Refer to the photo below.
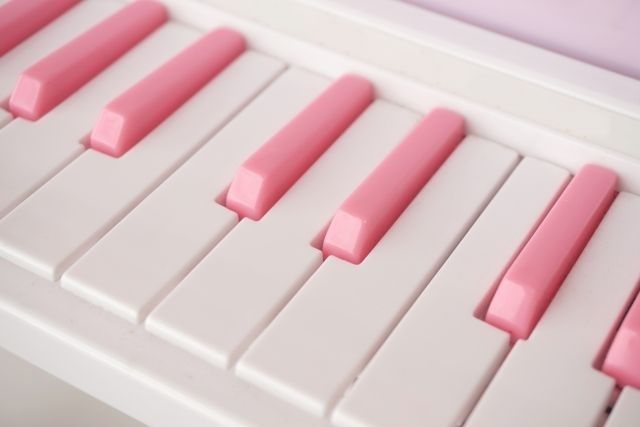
[529,283]
[276,166]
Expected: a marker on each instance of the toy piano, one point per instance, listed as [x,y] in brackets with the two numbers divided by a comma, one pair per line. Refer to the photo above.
[326,213]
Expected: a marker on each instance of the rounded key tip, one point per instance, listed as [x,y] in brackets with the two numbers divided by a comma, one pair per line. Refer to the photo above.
[249,195]
[231,36]
[357,84]
[151,6]
[26,100]
[108,135]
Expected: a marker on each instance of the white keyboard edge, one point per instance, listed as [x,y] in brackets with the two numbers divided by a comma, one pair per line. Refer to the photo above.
[528,137]
[115,361]
[487,68]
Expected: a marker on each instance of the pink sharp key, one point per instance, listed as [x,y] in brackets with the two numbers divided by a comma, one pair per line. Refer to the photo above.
[623,359]
[537,272]
[375,205]
[269,172]
[21,18]
[135,113]
[51,80]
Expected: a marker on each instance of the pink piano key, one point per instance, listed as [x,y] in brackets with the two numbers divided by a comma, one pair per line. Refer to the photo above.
[51,80]
[375,205]
[269,172]
[537,272]
[135,113]
[623,359]
[21,18]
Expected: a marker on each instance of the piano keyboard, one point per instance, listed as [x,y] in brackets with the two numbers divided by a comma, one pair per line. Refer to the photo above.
[207,222]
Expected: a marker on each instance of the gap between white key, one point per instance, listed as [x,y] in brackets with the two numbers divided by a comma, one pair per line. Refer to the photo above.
[323,338]
[5,117]
[626,411]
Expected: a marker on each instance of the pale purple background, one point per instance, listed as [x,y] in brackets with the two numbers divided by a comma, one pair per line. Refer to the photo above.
[605,33]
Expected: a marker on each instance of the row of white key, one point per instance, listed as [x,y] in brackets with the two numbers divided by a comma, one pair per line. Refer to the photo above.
[626,412]
[5,117]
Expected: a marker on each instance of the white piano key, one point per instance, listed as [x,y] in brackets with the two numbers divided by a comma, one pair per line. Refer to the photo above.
[151,249]
[626,412]
[553,369]
[21,18]
[32,152]
[440,354]
[65,217]
[70,24]
[322,339]
[5,117]
[237,289]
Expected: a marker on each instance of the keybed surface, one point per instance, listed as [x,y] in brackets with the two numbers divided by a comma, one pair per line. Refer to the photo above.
[227,260]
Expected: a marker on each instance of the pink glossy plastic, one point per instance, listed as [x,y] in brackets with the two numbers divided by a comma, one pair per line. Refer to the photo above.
[623,359]
[538,271]
[132,115]
[269,172]
[21,18]
[375,205]
[52,79]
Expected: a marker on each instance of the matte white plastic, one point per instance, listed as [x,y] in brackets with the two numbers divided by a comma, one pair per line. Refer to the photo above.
[5,117]
[554,368]
[626,412]
[323,338]
[440,354]
[238,288]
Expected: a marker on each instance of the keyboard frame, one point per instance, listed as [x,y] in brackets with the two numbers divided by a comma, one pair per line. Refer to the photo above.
[524,131]
[123,365]
[591,103]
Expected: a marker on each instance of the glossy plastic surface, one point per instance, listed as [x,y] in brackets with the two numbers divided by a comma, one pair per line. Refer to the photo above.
[55,77]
